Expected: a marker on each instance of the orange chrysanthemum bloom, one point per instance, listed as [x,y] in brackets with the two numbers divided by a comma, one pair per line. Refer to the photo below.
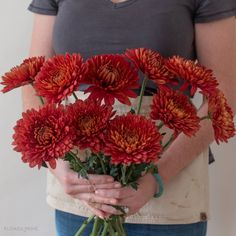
[110,77]
[221,116]
[59,77]
[132,139]
[23,74]
[90,118]
[151,63]
[176,111]
[43,136]
[193,74]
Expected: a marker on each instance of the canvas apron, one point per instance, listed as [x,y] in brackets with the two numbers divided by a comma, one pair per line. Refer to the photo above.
[185,198]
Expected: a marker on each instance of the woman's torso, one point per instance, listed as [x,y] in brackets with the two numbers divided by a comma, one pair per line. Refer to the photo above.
[101,26]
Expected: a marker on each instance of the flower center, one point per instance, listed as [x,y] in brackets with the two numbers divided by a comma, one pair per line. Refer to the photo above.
[127,140]
[43,135]
[108,75]
[58,78]
[176,109]
[87,125]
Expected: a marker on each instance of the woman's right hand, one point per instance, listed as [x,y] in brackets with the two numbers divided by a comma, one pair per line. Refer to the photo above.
[84,189]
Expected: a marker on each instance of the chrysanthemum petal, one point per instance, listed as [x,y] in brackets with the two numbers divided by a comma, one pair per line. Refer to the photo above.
[193,74]
[132,139]
[151,63]
[176,111]
[222,117]
[90,119]
[44,135]
[23,74]
[60,77]
[110,75]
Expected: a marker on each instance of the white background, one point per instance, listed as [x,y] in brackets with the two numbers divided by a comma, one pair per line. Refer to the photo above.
[23,209]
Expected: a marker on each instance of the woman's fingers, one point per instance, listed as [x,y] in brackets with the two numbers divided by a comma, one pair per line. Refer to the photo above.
[108,209]
[77,189]
[73,178]
[95,211]
[99,179]
[114,185]
[93,198]
[119,193]
[130,201]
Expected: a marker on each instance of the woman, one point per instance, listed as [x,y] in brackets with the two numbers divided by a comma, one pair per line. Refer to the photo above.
[202,29]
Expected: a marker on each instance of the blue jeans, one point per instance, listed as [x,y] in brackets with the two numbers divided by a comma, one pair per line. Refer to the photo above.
[67,225]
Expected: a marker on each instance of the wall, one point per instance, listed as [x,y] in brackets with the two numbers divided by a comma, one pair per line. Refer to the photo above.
[23,210]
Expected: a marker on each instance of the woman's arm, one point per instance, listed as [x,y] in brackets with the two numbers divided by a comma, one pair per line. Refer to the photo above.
[216,49]
[82,189]
[41,44]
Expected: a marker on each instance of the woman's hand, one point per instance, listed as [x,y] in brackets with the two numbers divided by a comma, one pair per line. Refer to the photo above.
[129,197]
[84,189]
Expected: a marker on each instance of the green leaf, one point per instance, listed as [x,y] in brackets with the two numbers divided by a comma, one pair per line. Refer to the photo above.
[132,111]
[114,171]
[83,173]
[68,157]
[134,185]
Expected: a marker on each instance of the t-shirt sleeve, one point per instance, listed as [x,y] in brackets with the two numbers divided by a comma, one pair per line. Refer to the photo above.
[211,10]
[45,7]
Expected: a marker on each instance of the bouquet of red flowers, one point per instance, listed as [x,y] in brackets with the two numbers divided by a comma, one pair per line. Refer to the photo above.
[125,146]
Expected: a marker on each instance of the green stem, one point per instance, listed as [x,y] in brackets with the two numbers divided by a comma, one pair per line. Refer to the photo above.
[105,229]
[142,93]
[130,171]
[123,170]
[96,226]
[77,159]
[76,164]
[111,230]
[41,100]
[84,225]
[74,95]
[121,226]
[172,138]
[102,163]
[160,125]
[117,226]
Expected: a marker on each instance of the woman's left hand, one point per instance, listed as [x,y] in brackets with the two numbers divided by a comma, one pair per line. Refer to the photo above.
[128,197]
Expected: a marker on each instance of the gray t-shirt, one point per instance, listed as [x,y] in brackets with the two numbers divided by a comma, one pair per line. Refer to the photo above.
[99,26]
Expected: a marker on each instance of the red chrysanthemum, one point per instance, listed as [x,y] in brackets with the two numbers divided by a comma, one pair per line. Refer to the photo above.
[110,77]
[43,136]
[23,74]
[221,116]
[59,77]
[193,74]
[90,118]
[176,111]
[132,139]
[151,63]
